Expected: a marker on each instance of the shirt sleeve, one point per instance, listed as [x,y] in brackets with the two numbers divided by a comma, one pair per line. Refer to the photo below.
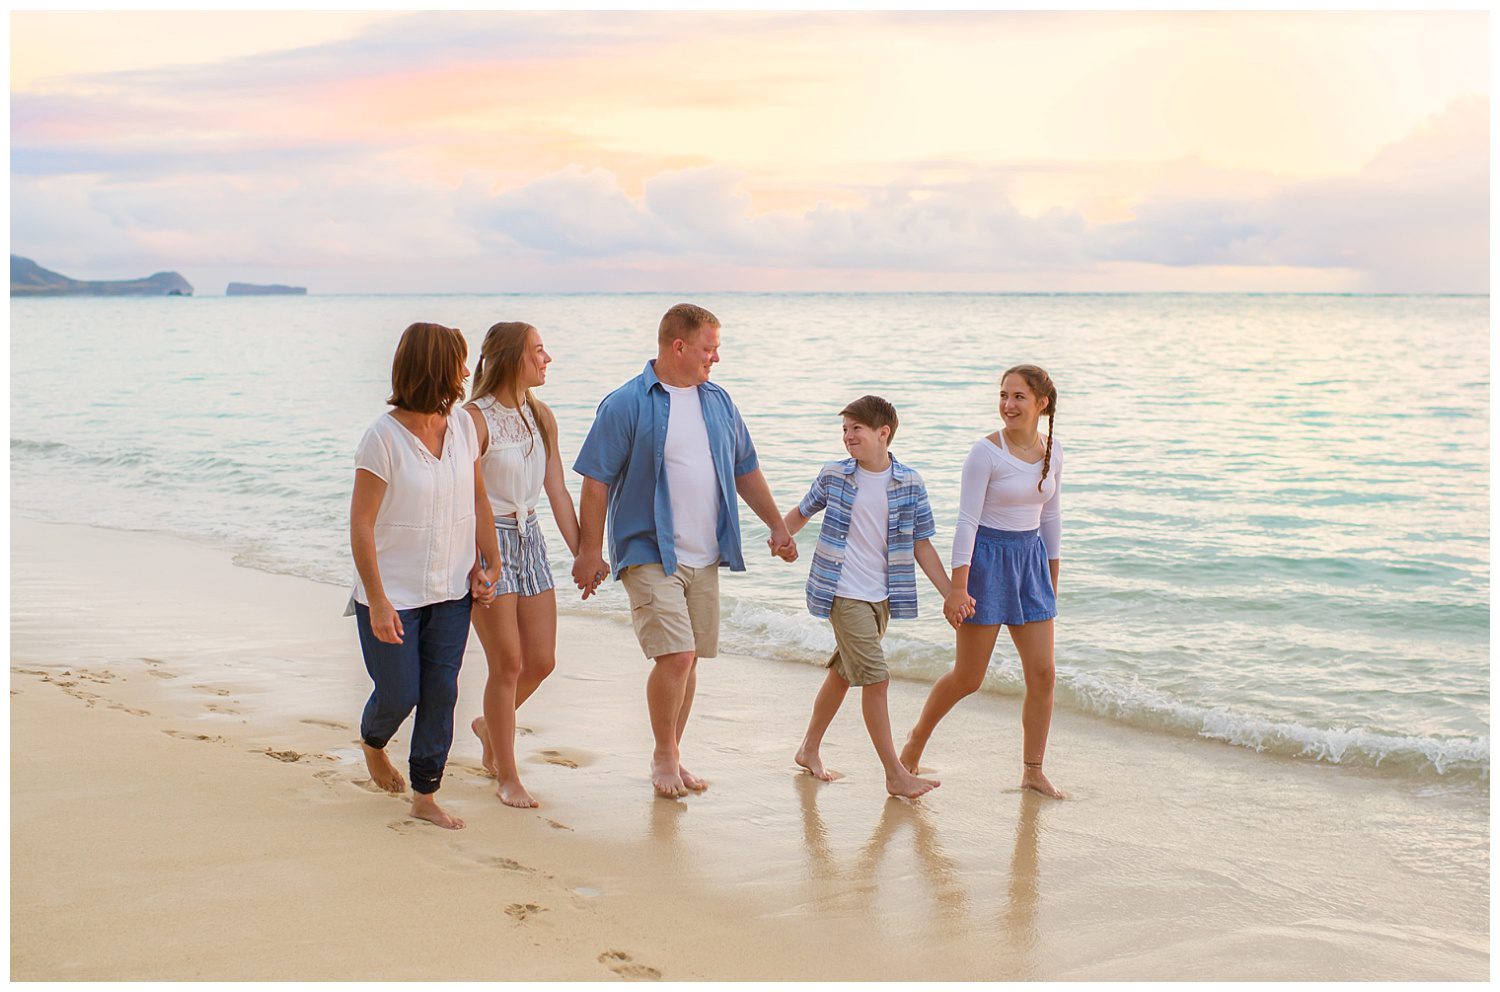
[925,526]
[374,455]
[1052,509]
[606,450]
[815,500]
[745,459]
[972,486]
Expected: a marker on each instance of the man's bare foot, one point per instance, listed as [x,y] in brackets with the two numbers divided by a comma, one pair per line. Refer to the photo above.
[693,782]
[911,755]
[666,778]
[483,733]
[813,763]
[382,772]
[424,807]
[1033,778]
[909,786]
[513,793]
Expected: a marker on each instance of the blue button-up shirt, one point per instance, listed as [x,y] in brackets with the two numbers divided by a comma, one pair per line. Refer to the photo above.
[908,520]
[626,450]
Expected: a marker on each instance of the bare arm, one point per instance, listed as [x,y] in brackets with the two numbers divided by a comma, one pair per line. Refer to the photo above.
[589,567]
[486,568]
[794,520]
[561,500]
[756,493]
[369,491]
[932,567]
[1054,565]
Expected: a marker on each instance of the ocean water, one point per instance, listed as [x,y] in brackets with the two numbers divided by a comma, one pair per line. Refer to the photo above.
[1275,509]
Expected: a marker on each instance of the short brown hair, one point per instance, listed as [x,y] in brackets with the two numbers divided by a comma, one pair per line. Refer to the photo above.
[427,374]
[875,413]
[683,321]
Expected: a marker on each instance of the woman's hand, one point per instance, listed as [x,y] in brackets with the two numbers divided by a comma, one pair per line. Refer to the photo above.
[386,622]
[958,607]
[483,583]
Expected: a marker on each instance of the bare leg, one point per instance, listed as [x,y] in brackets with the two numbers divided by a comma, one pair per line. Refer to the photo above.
[825,708]
[693,782]
[500,634]
[975,644]
[665,688]
[425,807]
[898,781]
[537,618]
[382,772]
[1034,644]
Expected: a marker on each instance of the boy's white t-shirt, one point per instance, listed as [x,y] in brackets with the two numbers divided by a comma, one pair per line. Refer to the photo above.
[865,563]
[692,485]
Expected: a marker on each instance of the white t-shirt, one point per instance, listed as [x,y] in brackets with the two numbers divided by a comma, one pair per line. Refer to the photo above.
[999,490]
[692,485]
[865,563]
[424,530]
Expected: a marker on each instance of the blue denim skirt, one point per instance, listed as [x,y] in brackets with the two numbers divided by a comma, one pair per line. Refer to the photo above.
[1009,578]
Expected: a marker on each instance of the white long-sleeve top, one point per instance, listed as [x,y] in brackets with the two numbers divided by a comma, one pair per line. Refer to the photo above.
[999,490]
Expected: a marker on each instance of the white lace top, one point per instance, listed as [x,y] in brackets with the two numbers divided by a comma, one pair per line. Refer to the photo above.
[516,459]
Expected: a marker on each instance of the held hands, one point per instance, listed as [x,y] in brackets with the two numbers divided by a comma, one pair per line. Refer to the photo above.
[782,544]
[958,607]
[483,582]
[385,622]
[589,569]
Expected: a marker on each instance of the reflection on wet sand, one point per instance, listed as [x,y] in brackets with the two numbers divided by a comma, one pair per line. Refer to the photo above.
[1018,920]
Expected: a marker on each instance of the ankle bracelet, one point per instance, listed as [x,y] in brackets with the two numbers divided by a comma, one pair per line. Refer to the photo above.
[1032,764]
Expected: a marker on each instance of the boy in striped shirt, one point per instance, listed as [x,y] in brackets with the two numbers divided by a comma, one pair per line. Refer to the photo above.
[878,523]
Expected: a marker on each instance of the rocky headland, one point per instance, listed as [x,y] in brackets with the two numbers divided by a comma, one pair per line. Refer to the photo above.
[29,279]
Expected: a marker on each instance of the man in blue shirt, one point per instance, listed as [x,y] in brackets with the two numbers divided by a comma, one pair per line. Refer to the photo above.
[667,454]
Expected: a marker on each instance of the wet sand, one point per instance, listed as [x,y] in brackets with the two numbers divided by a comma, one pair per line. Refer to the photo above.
[188,802]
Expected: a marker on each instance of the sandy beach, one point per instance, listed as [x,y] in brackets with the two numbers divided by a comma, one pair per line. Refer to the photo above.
[188,802]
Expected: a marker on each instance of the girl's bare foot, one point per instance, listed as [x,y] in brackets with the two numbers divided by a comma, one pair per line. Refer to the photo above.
[482,732]
[382,772]
[811,761]
[911,755]
[424,807]
[513,793]
[909,786]
[693,782]
[1032,778]
[666,778]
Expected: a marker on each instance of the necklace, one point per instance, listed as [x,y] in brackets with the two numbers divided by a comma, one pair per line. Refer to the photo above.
[1035,442]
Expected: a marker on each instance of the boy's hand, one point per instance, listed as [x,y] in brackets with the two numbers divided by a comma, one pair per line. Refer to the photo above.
[782,544]
[958,607]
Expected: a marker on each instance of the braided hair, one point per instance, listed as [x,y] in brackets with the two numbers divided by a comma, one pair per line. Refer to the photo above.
[1042,387]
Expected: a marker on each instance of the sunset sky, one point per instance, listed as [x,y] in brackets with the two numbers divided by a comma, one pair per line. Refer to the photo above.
[795,151]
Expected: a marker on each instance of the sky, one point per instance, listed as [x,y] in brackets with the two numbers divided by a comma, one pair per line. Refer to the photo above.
[801,151]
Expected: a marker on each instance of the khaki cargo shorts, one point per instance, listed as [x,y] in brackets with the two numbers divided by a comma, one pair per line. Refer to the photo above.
[858,627]
[674,613]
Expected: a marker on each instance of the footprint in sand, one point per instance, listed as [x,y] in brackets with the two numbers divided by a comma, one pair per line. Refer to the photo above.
[508,864]
[287,756]
[30,671]
[403,826]
[216,708]
[130,710]
[554,824]
[330,724]
[564,758]
[185,736]
[216,692]
[521,912]
[160,674]
[623,965]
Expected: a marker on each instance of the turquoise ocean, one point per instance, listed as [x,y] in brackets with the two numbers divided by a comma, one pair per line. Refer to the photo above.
[1275,509]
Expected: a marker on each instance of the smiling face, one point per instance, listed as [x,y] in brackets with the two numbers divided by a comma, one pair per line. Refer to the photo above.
[697,353]
[1020,407]
[532,371]
[865,443]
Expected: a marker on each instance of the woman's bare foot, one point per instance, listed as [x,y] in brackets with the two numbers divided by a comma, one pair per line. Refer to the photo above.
[513,793]
[811,761]
[909,786]
[693,782]
[1032,778]
[382,772]
[666,778]
[911,755]
[482,732]
[424,807]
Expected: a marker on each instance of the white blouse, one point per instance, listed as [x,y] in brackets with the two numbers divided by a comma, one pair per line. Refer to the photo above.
[999,490]
[424,530]
[516,460]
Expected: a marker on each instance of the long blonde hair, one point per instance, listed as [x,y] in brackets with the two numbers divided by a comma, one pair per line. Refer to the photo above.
[498,369]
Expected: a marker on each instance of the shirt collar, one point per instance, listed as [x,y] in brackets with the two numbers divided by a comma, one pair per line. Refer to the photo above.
[898,471]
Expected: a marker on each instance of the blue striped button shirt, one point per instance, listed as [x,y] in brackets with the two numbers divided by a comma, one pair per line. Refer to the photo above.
[908,520]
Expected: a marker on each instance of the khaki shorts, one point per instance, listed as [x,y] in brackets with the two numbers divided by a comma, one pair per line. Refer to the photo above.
[674,613]
[858,627]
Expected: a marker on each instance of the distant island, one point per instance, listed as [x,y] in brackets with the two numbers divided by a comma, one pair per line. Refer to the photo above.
[29,279]
[251,289]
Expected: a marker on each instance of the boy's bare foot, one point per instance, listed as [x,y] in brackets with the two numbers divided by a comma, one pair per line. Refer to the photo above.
[814,764]
[911,755]
[424,807]
[666,778]
[482,732]
[693,782]
[1033,778]
[909,786]
[513,793]
[382,772]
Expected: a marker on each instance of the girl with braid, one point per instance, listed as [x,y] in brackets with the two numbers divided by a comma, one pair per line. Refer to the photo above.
[1005,566]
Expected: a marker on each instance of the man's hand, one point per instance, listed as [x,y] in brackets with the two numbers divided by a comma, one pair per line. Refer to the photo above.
[782,544]
[589,569]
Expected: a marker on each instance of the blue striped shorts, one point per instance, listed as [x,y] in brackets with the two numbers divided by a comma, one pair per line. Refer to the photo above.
[524,567]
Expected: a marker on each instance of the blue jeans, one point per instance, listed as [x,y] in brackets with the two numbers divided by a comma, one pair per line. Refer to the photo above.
[420,673]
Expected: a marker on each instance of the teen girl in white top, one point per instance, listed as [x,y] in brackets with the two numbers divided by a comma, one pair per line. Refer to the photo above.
[518,437]
[1006,551]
